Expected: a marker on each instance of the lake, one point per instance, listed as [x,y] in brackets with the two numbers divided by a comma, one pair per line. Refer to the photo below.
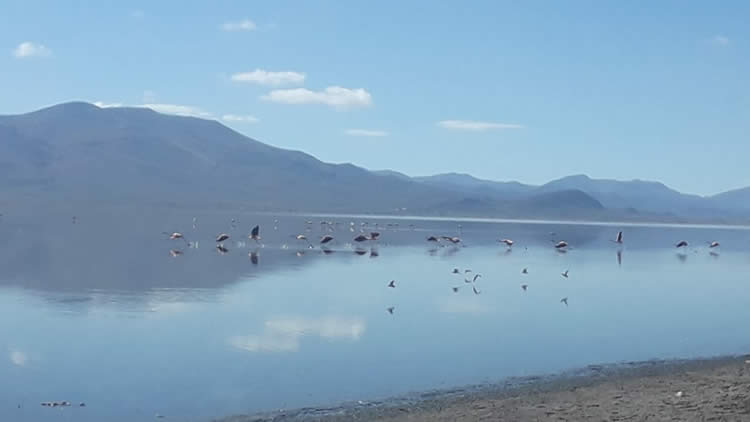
[97,310]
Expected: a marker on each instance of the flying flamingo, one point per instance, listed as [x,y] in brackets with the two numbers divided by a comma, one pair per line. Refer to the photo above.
[255,234]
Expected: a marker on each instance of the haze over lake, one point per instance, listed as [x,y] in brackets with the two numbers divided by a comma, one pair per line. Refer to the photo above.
[100,312]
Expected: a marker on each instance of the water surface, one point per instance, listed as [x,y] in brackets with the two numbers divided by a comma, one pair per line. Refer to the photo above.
[100,312]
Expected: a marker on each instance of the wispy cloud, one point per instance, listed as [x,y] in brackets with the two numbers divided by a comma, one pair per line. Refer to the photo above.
[476,126]
[334,96]
[240,118]
[18,358]
[365,132]
[102,104]
[264,77]
[720,40]
[177,109]
[283,335]
[243,25]
[29,49]
[180,110]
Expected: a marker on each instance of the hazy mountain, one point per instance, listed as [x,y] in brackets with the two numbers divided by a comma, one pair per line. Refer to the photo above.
[737,199]
[77,153]
[471,185]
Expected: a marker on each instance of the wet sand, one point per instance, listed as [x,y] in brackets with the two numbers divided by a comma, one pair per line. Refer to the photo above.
[695,390]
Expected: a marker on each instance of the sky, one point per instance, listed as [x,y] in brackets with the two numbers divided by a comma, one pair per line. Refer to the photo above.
[528,91]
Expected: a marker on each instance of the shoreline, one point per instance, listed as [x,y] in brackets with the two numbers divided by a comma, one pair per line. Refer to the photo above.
[685,389]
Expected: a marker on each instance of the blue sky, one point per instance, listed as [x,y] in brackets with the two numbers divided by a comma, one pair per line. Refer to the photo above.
[527,91]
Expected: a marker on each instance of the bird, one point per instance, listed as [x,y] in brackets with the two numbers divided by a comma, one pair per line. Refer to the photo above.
[525,271]
[565,274]
[561,244]
[453,239]
[178,235]
[473,280]
[390,309]
[222,237]
[564,300]
[476,291]
[253,257]
[508,242]
[433,239]
[455,271]
[455,289]
[713,244]
[374,235]
[392,284]
[524,287]
[222,250]
[618,238]
[361,238]
[303,237]
[175,253]
[325,239]
[468,270]
[681,244]
[255,233]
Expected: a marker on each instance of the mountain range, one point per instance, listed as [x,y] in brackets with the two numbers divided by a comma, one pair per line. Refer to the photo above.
[78,153]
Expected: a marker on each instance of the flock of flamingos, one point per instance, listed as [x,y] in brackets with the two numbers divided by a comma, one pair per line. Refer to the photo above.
[373,236]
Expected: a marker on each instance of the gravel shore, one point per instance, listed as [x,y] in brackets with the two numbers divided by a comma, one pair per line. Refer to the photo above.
[693,390]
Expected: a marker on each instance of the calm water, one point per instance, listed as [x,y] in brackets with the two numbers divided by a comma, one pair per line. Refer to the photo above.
[99,312]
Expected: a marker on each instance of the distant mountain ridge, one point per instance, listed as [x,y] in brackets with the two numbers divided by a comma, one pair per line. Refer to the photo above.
[80,153]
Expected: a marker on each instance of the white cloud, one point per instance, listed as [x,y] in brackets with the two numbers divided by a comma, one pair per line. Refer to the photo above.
[180,110]
[720,40]
[264,77]
[334,96]
[102,104]
[365,132]
[243,25]
[29,49]
[475,125]
[283,335]
[240,118]
[18,358]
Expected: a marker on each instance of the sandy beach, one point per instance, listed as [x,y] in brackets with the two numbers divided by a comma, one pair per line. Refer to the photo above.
[695,390]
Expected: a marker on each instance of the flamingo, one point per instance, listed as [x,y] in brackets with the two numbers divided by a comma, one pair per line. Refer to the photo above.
[361,238]
[325,239]
[455,271]
[565,274]
[618,238]
[303,237]
[525,271]
[374,235]
[178,235]
[390,309]
[175,253]
[508,242]
[433,239]
[561,244]
[222,237]
[221,249]
[681,244]
[453,240]
[392,284]
[713,244]
[564,300]
[524,287]
[255,234]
